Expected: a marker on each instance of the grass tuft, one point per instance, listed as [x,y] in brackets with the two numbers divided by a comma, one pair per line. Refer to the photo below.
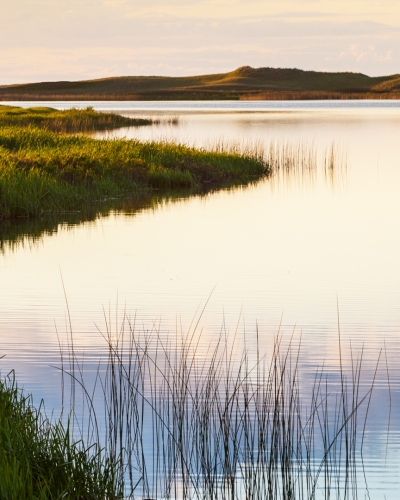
[38,459]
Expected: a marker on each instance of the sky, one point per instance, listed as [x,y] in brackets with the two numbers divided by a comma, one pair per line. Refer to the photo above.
[50,40]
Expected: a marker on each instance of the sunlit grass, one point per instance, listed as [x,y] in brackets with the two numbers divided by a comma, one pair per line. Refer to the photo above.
[68,120]
[44,172]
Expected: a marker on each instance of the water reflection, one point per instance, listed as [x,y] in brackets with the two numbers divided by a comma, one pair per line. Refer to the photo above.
[26,233]
[307,250]
[293,164]
[217,416]
[312,159]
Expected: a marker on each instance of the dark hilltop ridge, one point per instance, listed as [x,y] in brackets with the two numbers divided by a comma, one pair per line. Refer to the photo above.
[243,83]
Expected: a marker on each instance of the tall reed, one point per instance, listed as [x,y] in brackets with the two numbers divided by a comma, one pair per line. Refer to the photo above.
[220,422]
[286,158]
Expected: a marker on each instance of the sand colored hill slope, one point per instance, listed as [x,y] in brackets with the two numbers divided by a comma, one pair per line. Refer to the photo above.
[243,83]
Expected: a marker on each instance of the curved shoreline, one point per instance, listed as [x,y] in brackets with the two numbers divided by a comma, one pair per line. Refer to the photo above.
[46,171]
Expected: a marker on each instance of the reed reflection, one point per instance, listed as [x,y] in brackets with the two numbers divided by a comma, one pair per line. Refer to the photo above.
[194,417]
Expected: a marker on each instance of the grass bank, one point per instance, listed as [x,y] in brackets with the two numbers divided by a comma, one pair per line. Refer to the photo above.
[68,120]
[38,459]
[44,171]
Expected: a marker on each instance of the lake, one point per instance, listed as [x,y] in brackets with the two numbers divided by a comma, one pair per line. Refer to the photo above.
[311,252]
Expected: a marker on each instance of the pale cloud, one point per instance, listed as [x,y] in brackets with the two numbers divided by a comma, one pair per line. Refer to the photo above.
[59,39]
[382,10]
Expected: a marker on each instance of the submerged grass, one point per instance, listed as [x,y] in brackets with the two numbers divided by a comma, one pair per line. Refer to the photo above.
[44,172]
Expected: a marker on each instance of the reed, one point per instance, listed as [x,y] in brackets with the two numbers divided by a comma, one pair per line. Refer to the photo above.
[222,423]
[157,119]
[285,157]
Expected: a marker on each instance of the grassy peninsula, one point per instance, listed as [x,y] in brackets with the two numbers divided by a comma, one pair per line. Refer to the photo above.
[43,171]
[242,83]
[68,120]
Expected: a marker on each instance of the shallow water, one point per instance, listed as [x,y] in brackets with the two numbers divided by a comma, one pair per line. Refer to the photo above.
[312,251]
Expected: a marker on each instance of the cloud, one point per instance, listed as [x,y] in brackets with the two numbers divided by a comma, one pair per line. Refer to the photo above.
[362,53]
[157,31]
[53,40]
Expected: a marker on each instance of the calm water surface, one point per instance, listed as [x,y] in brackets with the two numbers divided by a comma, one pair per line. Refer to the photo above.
[304,251]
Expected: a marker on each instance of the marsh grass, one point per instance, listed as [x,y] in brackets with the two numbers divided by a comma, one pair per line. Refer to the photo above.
[69,120]
[183,420]
[43,172]
[286,157]
[158,119]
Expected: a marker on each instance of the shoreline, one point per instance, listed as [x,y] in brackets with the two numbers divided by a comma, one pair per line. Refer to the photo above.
[44,170]
[247,96]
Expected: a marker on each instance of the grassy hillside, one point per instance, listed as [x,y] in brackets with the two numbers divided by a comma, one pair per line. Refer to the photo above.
[243,83]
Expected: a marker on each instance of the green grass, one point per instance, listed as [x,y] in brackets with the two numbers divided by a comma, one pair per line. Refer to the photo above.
[44,172]
[38,459]
[69,120]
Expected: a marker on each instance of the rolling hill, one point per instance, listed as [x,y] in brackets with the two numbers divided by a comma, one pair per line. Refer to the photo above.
[243,83]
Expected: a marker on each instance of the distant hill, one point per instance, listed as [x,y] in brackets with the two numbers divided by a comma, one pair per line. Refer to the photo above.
[243,83]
